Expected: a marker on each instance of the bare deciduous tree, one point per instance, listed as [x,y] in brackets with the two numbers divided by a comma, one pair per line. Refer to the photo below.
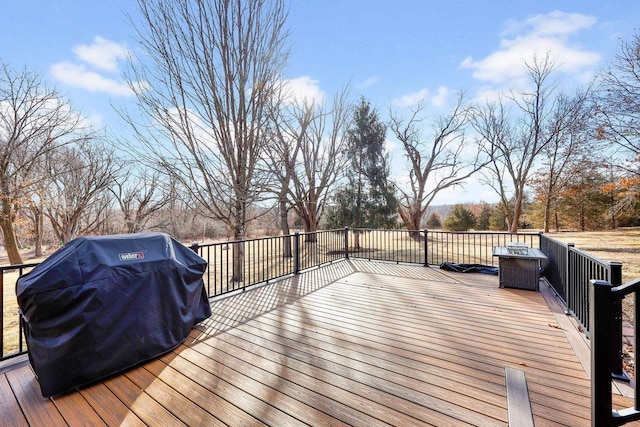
[34,122]
[562,150]
[141,194]
[619,119]
[306,157]
[619,101]
[434,165]
[212,68]
[33,210]
[492,123]
[289,125]
[320,134]
[79,180]
[514,142]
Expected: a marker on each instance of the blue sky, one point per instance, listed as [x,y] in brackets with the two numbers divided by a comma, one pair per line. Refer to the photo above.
[395,53]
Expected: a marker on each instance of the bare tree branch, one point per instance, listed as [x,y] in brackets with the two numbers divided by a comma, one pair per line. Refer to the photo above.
[141,194]
[443,162]
[34,122]
[212,70]
[514,141]
[79,178]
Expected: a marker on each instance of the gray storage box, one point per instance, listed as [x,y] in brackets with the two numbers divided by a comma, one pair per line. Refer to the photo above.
[519,273]
[519,268]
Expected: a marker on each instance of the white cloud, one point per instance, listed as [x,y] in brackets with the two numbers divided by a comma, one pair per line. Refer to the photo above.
[537,35]
[412,99]
[92,68]
[422,96]
[371,81]
[487,94]
[94,120]
[440,97]
[553,24]
[102,53]
[79,76]
[304,89]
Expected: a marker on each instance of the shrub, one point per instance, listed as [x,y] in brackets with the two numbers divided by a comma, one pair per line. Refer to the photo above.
[460,219]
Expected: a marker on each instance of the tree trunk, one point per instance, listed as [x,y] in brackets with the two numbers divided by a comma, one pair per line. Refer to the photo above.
[10,240]
[311,229]
[412,219]
[356,239]
[547,214]
[238,245]
[517,211]
[238,260]
[70,232]
[286,232]
[129,224]
[614,225]
[38,232]
[311,223]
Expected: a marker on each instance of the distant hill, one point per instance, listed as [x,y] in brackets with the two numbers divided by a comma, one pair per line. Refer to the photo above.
[441,210]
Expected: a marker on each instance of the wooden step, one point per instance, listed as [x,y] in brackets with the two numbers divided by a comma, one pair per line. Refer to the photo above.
[518,403]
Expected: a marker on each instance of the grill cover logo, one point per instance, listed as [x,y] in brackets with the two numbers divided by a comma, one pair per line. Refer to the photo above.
[131,256]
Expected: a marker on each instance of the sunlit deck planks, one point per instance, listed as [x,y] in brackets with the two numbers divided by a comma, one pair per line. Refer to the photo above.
[354,343]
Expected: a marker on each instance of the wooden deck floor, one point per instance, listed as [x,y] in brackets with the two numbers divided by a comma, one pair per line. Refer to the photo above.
[354,343]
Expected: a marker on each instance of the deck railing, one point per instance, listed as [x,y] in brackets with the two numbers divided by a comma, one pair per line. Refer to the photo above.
[385,245]
[265,259]
[569,270]
[11,337]
[471,247]
[605,299]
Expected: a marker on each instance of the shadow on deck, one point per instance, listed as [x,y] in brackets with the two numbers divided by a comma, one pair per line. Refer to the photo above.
[353,343]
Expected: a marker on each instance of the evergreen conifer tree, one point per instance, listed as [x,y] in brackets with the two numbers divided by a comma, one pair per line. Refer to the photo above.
[367,199]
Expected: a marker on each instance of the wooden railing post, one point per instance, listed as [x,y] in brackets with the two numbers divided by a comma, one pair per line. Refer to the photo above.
[540,233]
[346,242]
[567,276]
[426,248]
[2,315]
[296,253]
[601,322]
[636,343]
[616,348]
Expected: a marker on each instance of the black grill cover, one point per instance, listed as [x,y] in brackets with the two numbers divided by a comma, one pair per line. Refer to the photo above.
[469,268]
[100,305]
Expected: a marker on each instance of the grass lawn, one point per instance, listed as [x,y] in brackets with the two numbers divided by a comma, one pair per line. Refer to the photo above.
[621,245]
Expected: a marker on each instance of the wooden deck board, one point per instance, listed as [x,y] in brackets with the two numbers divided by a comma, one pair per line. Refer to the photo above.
[354,343]
[141,403]
[518,401]
[36,409]
[305,398]
[351,365]
[181,407]
[259,402]
[10,411]
[77,411]
[110,409]
[330,382]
